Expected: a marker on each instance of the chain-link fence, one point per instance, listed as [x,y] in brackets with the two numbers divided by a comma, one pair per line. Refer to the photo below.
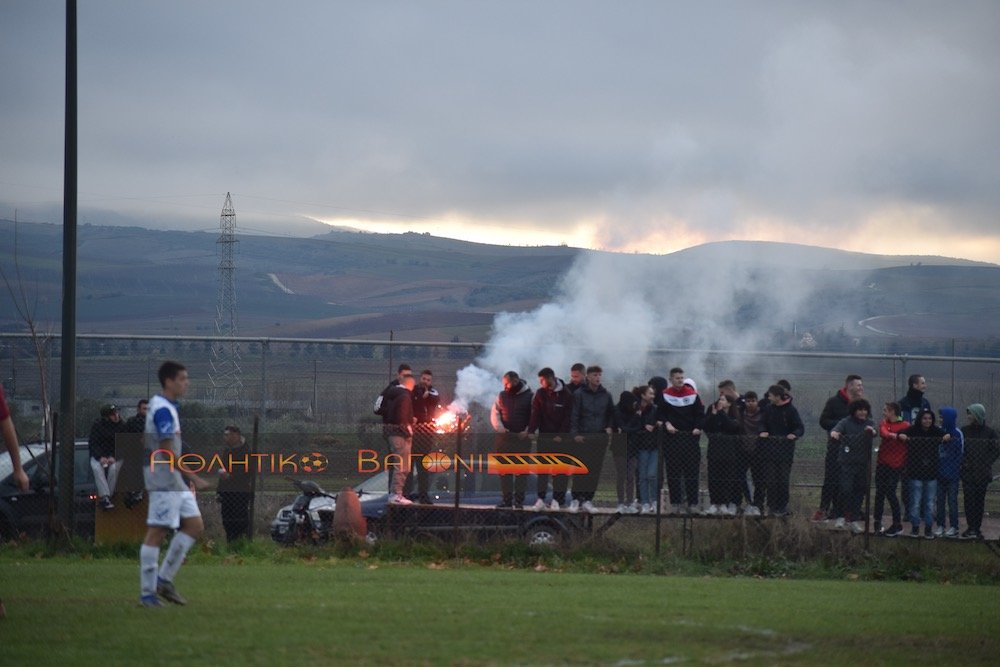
[304,412]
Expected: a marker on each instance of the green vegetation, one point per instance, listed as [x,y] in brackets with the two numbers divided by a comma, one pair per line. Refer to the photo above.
[349,607]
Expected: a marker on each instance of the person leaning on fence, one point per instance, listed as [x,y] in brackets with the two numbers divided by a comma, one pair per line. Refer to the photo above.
[923,441]
[644,439]
[682,415]
[949,473]
[630,420]
[592,422]
[889,466]
[737,405]
[910,406]
[102,454]
[510,415]
[853,435]
[551,409]
[982,448]
[397,427]
[725,490]
[235,485]
[751,424]
[835,409]
[426,407]
[782,427]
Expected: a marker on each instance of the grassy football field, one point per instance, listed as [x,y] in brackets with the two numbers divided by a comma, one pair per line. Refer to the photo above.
[352,611]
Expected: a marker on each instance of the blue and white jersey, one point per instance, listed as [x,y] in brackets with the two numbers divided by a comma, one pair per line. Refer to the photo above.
[160,468]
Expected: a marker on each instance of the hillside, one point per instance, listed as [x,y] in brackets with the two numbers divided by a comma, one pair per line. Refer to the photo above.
[353,284]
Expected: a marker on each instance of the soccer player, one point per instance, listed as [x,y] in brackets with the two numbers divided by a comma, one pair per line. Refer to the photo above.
[172,503]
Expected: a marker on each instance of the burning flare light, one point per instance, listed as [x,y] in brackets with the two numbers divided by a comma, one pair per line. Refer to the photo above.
[446,422]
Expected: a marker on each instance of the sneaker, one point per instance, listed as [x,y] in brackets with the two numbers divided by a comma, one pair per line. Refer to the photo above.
[518,505]
[877,529]
[505,505]
[554,505]
[647,509]
[574,506]
[712,510]
[425,499]
[929,534]
[893,531]
[588,507]
[106,503]
[632,509]
[150,601]
[693,509]
[539,505]
[166,590]
[915,532]
[818,516]
[731,509]
[857,527]
[751,510]
[939,532]
[621,508]
[971,534]
[951,532]
[399,500]
[839,524]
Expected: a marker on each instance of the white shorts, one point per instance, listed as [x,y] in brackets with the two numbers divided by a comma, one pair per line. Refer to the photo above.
[167,508]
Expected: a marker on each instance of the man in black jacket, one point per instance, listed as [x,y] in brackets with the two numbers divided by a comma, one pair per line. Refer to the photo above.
[426,405]
[397,426]
[683,416]
[591,424]
[102,453]
[235,483]
[509,416]
[782,427]
[834,410]
[982,448]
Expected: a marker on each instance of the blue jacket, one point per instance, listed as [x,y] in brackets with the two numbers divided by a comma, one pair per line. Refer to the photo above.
[950,453]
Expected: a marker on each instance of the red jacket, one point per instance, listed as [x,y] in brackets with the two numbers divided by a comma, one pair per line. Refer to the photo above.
[892,453]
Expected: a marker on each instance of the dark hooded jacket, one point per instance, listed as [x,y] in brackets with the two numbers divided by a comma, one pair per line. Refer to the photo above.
[633,419]
[855,443]
[982,448]
[512,409]
[911,405]
[426,403]
[397,409]
[950,452]
[782,420]
[551,409]
[834,410]
[102,437]
[682,408]
[922,449]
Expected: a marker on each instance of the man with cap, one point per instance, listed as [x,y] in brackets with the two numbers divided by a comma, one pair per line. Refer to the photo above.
[102,453]
[235,480]
[982,447]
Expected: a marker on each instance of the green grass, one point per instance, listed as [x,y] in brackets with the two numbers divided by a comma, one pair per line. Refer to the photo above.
[357,610]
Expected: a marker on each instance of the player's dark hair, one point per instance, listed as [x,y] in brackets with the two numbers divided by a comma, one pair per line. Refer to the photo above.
[512,375]
[547,373]
[676,369]
[142,402]
[750,395]
[594,369]
[427,371]
[403,367]
[168,371]
[859,404]
[777,390]
[913,379]
[894,408]
[725,384]
[577,367]
[851,378]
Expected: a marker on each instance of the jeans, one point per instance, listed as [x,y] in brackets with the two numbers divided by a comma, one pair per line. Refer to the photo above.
[922,495]
[648,473]
[947,489]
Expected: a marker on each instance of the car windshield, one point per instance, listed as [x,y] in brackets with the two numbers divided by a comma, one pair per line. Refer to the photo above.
[375,485]
[6,467]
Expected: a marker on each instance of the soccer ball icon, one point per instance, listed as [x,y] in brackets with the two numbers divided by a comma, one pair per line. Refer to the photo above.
[436,462]
[313,462]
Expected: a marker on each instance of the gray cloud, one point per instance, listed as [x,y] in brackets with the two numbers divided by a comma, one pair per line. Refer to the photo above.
[706,113]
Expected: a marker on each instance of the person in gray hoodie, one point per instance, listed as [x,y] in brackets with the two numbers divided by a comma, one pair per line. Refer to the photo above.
[853,436]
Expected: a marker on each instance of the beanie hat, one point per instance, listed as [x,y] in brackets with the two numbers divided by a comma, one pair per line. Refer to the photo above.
[978,412]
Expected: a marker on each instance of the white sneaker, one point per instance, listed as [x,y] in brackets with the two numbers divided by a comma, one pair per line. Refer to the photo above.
[554,504]
[632,509]
[574,506]
[538,506]
[588,507]
[647,509]
[939,531]
[621,509]
[712,510]
[732,509]
[752,510]
[693,509]
[951,532]
[839,524]
[857,527]
[399,500]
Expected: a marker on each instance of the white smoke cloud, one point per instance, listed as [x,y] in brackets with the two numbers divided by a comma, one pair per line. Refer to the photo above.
[613,310]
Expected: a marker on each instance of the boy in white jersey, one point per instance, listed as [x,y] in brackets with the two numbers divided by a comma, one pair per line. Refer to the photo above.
[172,504]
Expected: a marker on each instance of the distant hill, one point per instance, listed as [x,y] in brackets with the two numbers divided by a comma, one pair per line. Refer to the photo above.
[353,284]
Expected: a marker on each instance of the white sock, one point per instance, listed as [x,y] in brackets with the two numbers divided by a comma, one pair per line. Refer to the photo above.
[175,555]
[149,557]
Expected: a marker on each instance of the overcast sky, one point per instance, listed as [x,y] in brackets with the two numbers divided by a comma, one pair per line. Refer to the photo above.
[646,126]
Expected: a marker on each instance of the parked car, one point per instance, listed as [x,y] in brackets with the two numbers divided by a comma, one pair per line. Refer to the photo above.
[28,513]
[477,514]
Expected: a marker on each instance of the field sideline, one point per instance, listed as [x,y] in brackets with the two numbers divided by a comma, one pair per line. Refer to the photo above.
[340,611]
